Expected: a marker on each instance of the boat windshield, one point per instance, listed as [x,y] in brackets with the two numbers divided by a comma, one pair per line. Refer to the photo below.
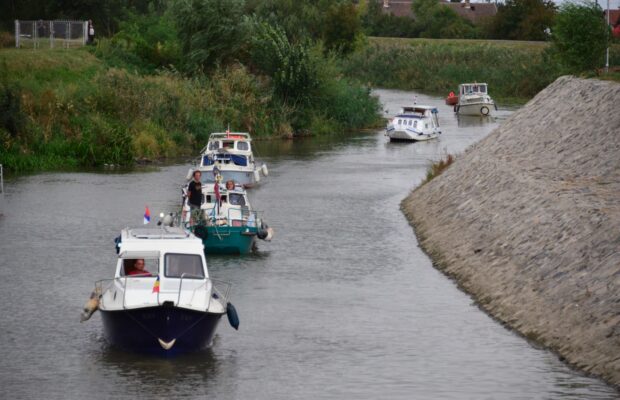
[183,265]
[140,267]
[236,199]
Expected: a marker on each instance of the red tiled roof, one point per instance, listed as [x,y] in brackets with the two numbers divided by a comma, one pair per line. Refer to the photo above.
[398,8]
[475,12]
[614,16]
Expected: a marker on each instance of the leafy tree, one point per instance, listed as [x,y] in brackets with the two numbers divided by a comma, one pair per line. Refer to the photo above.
[293,70]
[300,19]
[522,20]
[580,36]
[211,32]
[342,28]
[376,23]
[435,20]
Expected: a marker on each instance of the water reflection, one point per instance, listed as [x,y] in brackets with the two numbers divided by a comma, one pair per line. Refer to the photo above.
[466,121]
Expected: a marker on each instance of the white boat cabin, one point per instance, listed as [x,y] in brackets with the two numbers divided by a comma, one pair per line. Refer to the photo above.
[418,118]
[228,148]
[468,89]
[233,209]
[157,265]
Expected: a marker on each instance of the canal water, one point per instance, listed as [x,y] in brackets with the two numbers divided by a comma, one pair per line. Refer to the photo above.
[341,305]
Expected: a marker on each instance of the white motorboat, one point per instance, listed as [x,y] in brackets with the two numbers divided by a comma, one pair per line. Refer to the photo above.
[161,299]
[231,153]
[414,123]
[474,99]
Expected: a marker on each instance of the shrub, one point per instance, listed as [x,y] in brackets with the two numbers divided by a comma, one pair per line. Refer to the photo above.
[6,39]
[580,36]
[437,168]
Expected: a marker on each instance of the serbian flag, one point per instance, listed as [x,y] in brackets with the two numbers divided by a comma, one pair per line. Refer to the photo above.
[147,215]
[156,285]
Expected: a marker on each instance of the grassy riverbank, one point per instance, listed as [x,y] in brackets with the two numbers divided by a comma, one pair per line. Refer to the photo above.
[514,70]
[67,108]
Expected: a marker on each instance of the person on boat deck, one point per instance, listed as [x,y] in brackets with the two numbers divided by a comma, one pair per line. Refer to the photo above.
[230,185]
[194,192]
[138,269]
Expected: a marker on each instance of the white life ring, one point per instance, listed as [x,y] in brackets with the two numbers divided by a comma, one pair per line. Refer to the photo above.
[484,110]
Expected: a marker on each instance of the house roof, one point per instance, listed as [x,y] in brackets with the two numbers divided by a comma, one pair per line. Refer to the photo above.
[472,11]
[614,16]
[398,8]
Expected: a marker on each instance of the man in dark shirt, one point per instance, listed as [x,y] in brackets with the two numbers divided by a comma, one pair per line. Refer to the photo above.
[194,192]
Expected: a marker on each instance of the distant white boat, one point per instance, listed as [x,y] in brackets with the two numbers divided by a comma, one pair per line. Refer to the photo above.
[414,123]
[230,153]
[474,99]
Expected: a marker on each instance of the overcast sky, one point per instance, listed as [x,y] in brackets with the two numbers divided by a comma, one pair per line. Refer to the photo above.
[612,3]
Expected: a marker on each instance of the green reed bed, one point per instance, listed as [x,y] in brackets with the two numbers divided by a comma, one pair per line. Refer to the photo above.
[513,70]
[67,109]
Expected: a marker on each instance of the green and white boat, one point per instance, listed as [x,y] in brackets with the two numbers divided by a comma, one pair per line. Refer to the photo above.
[226,222]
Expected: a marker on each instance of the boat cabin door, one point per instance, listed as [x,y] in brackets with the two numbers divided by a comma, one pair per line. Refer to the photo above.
[435,120]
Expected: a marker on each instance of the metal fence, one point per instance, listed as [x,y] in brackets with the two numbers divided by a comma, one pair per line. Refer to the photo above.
[36,34]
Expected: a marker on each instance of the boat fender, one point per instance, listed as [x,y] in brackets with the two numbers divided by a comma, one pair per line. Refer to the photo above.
[270,234]
[92,305]
[484,110]
[201,231]
[264,170]
[256,175]
[262,232]
[117,244]
[233,317]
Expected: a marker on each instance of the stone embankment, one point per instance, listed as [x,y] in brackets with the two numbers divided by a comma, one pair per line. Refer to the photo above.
[528,222]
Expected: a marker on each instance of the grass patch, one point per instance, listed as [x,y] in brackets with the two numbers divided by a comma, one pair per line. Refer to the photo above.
[437,168]
[66,108]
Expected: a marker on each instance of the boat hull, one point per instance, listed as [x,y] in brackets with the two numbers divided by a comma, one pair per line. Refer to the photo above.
[141,329]
[229,239]
[401,136]
[482,109]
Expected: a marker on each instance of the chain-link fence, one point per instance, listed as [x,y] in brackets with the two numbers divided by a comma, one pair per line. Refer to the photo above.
[36,34]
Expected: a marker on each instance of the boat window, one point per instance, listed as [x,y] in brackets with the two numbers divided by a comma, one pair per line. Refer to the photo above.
[426,126]
[175,265]
[400,121]
[415,124]
[229,144]
[208,198]
[140,268]
[236,199]
[213,145]
[243,146]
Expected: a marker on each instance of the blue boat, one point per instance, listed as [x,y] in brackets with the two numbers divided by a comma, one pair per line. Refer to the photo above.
[161,300]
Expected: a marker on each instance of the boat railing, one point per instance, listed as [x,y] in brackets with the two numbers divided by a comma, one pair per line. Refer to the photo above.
[215,289]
